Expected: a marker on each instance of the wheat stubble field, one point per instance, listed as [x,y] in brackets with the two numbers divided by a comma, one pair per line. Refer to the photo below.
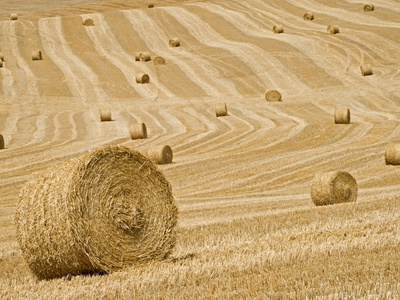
[247,226]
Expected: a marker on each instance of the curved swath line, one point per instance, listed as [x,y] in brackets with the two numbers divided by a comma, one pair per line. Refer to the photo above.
[246,52]
[8,80]
[141,23]
[30,77]
[108,46]
[81,78]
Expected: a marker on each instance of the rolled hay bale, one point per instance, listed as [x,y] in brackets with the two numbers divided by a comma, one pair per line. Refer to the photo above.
[142,78]
[88,22]
[13,17]
[392,154]
[160,155]
[145,56]
[174,42]
[277,29]
[333,187]
[1,63]
[105,115]
[342,115]
[1,56]
[333,29]
[366,69]
[221,110]
[273,96]
[137,56]
[150,4]
[138,131]
[1,141]
[369,7]
[37,55]
[158,60]
[308,16]
[104,211]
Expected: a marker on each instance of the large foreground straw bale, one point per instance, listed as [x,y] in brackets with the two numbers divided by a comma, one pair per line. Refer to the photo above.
[221,110]
[138,131]
[392,154]
[273,96]
[333,29]
[342,115]
[161,155]
[109,209]
[369,7]
[333,187]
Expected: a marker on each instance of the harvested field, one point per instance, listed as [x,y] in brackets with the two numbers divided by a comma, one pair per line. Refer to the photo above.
[247,227]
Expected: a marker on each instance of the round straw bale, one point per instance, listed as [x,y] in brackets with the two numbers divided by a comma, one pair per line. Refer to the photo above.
[106,210]
[273,95]
[13,17]
[174,42]
[1,141]
[1,56]
[1,63]
[369,7]
[142,78]
[277,29]
[88,22]
[333,187]
[150,5]
[138,131]
[158,60]
[342,115]
[308,16]
[160,155]
[145,56]
[105,115]
[392,154]
[137,56]
[333,29]
[221,110]
[366,69]
[37,55]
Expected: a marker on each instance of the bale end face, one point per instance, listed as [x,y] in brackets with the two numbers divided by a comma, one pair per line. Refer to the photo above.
[392,154]
[221,110]
[88,22]
[333,187]
[342,115]
[369,7]
[138,131]
[161,155]
[158,60]
[333,29]
[273,96]
[174,42]
[142,78]
[308,16]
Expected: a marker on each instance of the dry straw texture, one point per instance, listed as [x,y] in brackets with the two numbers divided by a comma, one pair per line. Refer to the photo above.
[333,187]
[88,22]
[37,55]
[107,210]
[392,154]
[221,110]
[145,56]
[369,7]
[273,96]
[174,42]
[158,60]
[142,78]
[342,115]
[333,29]
[1,141]
[308,16]
[366,69]
[138,131]
[13,17]
[277,29]
[161,155]
[105,115]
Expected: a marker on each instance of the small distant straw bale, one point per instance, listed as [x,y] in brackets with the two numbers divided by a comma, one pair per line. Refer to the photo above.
[145,56]
[150,4]
[221,110]
[138,131]
[13,17]
[174,42]
[137,56]
[37,55]
[333,29]
[158,60]
[308,16]
[366,69]
[160,155]
[105,115]
[333,187]
[107,210]
[1,63]
[273,96]
[142,78]
[1,141]
[277,29]
[392,153]
[1,56]
[342,115]
[88,22]
[369,7]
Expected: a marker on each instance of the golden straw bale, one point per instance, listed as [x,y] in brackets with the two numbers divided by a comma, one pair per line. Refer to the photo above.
[150,4]
[158,60]
[88,22]
[142,78]
[1,63]
[137,56]
[308,16]
[333,187]
[277,29]
[366,69]
[1,141]
[221,110]
[273,95]
[333,29]
[37,55]
[145,56]
[174,42]
[160,155]
[138,131]
[342,115]
[107,210]
[392,154]
[369,7]
[105,115]
[13,17]
[1,56]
